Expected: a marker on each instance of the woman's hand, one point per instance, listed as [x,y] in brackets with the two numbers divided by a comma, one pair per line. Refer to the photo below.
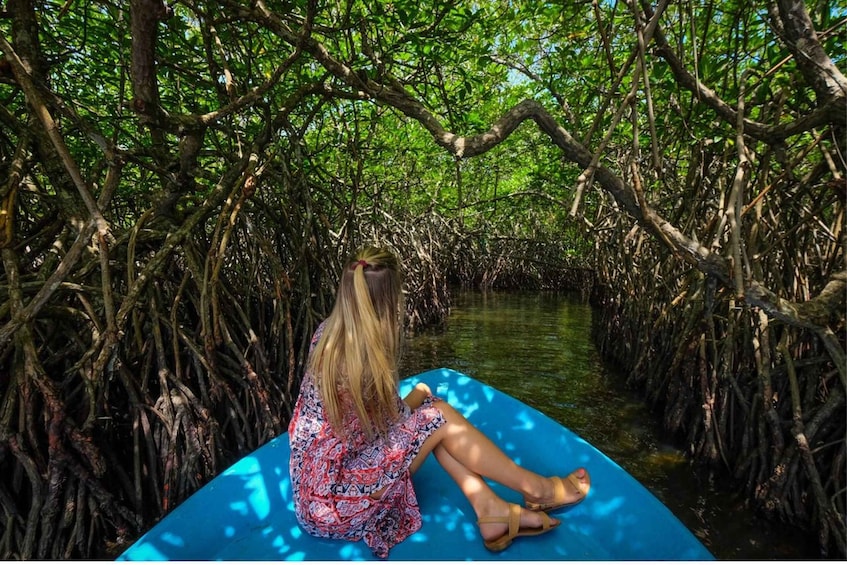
[420,393]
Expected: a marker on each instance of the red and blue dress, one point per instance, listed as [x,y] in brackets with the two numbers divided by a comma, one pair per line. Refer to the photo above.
[334,477]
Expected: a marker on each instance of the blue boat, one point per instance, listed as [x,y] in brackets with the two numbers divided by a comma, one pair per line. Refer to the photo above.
[247,513]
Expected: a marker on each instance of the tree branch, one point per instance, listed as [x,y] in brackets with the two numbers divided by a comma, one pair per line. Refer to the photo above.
[831,109]
[802,40]
[808,314]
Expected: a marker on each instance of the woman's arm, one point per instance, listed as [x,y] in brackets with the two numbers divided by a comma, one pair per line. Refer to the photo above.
[418,394]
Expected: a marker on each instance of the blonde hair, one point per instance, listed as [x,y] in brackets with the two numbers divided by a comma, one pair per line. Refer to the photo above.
[360,346]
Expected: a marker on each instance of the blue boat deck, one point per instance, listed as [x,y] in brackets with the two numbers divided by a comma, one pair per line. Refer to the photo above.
[247,513]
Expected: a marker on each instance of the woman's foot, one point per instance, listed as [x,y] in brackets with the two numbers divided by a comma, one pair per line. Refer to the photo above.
[494,524]
[561,493]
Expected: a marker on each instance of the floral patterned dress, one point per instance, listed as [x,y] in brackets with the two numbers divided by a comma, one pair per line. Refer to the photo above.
[333,478]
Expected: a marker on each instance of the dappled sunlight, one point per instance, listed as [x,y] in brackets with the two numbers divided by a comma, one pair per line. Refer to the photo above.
[257,500]
[608,507]
[525,422]
[247,513]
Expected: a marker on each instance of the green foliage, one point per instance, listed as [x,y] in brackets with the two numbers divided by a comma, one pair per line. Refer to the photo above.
[465,62]
[244,91]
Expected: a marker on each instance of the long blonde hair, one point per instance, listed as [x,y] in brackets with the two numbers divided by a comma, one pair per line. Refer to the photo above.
[360,346]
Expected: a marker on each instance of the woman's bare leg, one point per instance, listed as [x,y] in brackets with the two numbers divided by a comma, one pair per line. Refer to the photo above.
[479,455]
[483,500]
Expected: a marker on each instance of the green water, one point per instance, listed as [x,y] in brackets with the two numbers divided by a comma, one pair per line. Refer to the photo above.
[537,347]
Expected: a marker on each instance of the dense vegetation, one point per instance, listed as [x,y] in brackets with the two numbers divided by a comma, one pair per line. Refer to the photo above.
[180,181]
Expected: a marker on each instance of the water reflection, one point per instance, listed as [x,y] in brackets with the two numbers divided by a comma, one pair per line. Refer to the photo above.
[537,347]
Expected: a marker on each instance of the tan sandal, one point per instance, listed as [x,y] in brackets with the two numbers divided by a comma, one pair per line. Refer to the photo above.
[560,493]
[515,529]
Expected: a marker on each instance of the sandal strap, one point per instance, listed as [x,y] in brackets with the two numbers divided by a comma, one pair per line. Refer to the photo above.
[559,492]
[513,519]
[545,522]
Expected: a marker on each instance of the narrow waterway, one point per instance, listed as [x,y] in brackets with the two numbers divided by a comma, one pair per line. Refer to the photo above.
[537,347]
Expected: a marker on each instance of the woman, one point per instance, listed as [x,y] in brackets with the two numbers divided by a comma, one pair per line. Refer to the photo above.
[355,443]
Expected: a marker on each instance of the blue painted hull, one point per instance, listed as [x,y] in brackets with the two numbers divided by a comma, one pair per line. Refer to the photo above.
[247,513]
